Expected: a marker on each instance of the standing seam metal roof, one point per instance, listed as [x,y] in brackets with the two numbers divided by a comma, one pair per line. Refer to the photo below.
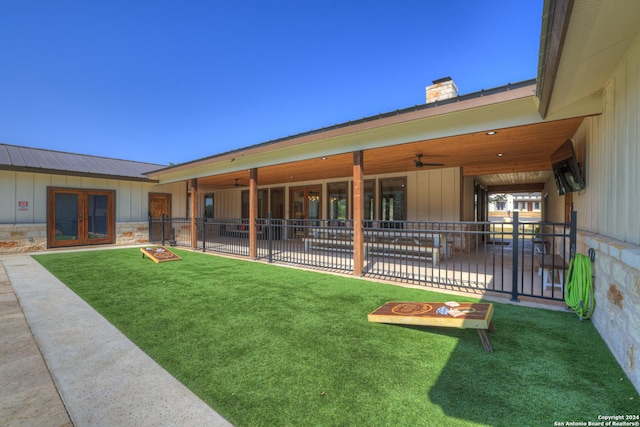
[13,157]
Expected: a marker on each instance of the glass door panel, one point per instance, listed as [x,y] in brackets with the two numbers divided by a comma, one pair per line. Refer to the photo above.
[369,202]
[306,204]
[277,203]
[313,205]
[393,201]
[338,203]
[67,217]
[297,204]
[97,216]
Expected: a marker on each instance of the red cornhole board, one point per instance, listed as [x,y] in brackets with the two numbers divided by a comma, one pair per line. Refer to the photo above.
[159,254]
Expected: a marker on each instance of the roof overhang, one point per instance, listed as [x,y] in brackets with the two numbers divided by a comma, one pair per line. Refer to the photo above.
[583,42]
[75,173]
[454,133]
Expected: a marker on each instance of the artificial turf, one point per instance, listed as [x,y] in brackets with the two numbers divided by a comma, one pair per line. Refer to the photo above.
[266,345]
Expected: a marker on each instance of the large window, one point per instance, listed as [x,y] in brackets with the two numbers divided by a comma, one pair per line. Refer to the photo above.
[338,202]
[393,200]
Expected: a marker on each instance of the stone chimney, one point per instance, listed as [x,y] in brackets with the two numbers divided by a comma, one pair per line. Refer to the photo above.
[441,89]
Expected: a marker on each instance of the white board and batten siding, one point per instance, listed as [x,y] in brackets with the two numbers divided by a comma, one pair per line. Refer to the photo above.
[132,197]
[432,195]
[435,195]
[608,145]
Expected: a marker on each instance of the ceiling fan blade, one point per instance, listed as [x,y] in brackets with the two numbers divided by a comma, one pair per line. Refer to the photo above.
[431,164]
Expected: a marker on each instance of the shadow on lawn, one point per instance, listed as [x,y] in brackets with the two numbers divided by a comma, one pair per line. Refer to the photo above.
[547,366]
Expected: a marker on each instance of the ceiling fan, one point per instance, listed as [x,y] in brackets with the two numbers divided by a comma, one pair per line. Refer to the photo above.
[419,163]
[237,184]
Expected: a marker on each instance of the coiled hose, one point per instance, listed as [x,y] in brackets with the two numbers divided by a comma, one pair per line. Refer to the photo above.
[579,292]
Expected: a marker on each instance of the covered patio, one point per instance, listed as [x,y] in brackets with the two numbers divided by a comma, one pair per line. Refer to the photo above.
[440,161]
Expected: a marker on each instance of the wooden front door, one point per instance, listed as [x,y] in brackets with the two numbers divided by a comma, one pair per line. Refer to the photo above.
[159,206]
[80,217]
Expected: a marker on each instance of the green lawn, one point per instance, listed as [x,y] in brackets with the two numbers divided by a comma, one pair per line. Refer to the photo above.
[271,346]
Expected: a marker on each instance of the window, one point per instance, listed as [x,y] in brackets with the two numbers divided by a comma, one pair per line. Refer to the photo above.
[276,202]
[393,201]
[244,200]
[263,206]
[208,205]
[369,201]
[338,202]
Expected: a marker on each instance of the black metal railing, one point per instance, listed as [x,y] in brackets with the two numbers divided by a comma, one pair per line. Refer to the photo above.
[225,235]
[544,251]
[325,244]
[516,258]
[173,231]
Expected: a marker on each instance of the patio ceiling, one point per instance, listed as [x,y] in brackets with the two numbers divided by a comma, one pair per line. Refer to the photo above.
[524,160]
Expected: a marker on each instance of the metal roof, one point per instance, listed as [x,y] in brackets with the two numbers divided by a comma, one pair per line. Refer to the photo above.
[399,112]
[27,159]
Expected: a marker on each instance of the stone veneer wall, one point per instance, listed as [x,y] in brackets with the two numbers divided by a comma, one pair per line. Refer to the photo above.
[616,283]
[132,233]
[33,237]
[23,238]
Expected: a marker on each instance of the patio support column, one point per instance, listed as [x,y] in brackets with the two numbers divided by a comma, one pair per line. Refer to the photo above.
[194,203]
[358,213]
[253,213]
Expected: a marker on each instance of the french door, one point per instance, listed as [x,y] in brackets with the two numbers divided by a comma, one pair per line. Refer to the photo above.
[306,204]
[80,217]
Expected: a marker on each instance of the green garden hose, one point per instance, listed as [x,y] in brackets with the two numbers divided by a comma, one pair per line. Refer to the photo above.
[579,292]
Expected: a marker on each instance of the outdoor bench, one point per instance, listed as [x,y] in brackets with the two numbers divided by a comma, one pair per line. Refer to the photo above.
[240,230]
[550,266]
[430,247]
[327,243]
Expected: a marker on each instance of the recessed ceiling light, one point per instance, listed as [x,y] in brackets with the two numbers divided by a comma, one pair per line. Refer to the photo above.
[500,154]
[324,158]
[492,132]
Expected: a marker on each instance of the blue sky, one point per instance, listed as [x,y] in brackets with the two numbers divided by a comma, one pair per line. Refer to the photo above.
[174,81]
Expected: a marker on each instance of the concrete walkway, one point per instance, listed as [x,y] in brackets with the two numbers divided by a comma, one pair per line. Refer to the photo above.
[63,364]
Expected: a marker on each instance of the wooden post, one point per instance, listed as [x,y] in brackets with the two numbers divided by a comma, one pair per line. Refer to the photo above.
[194,205]
[253,213]
[358,213]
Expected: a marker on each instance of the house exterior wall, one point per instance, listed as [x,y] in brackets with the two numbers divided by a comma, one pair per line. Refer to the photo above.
[608,211]
[432,195]
[468,199]
[23,210]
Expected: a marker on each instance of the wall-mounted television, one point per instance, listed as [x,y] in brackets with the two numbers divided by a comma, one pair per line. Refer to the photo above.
[566,169]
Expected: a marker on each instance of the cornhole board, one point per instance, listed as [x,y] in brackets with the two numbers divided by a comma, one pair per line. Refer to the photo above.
[474,316]
[159,254]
